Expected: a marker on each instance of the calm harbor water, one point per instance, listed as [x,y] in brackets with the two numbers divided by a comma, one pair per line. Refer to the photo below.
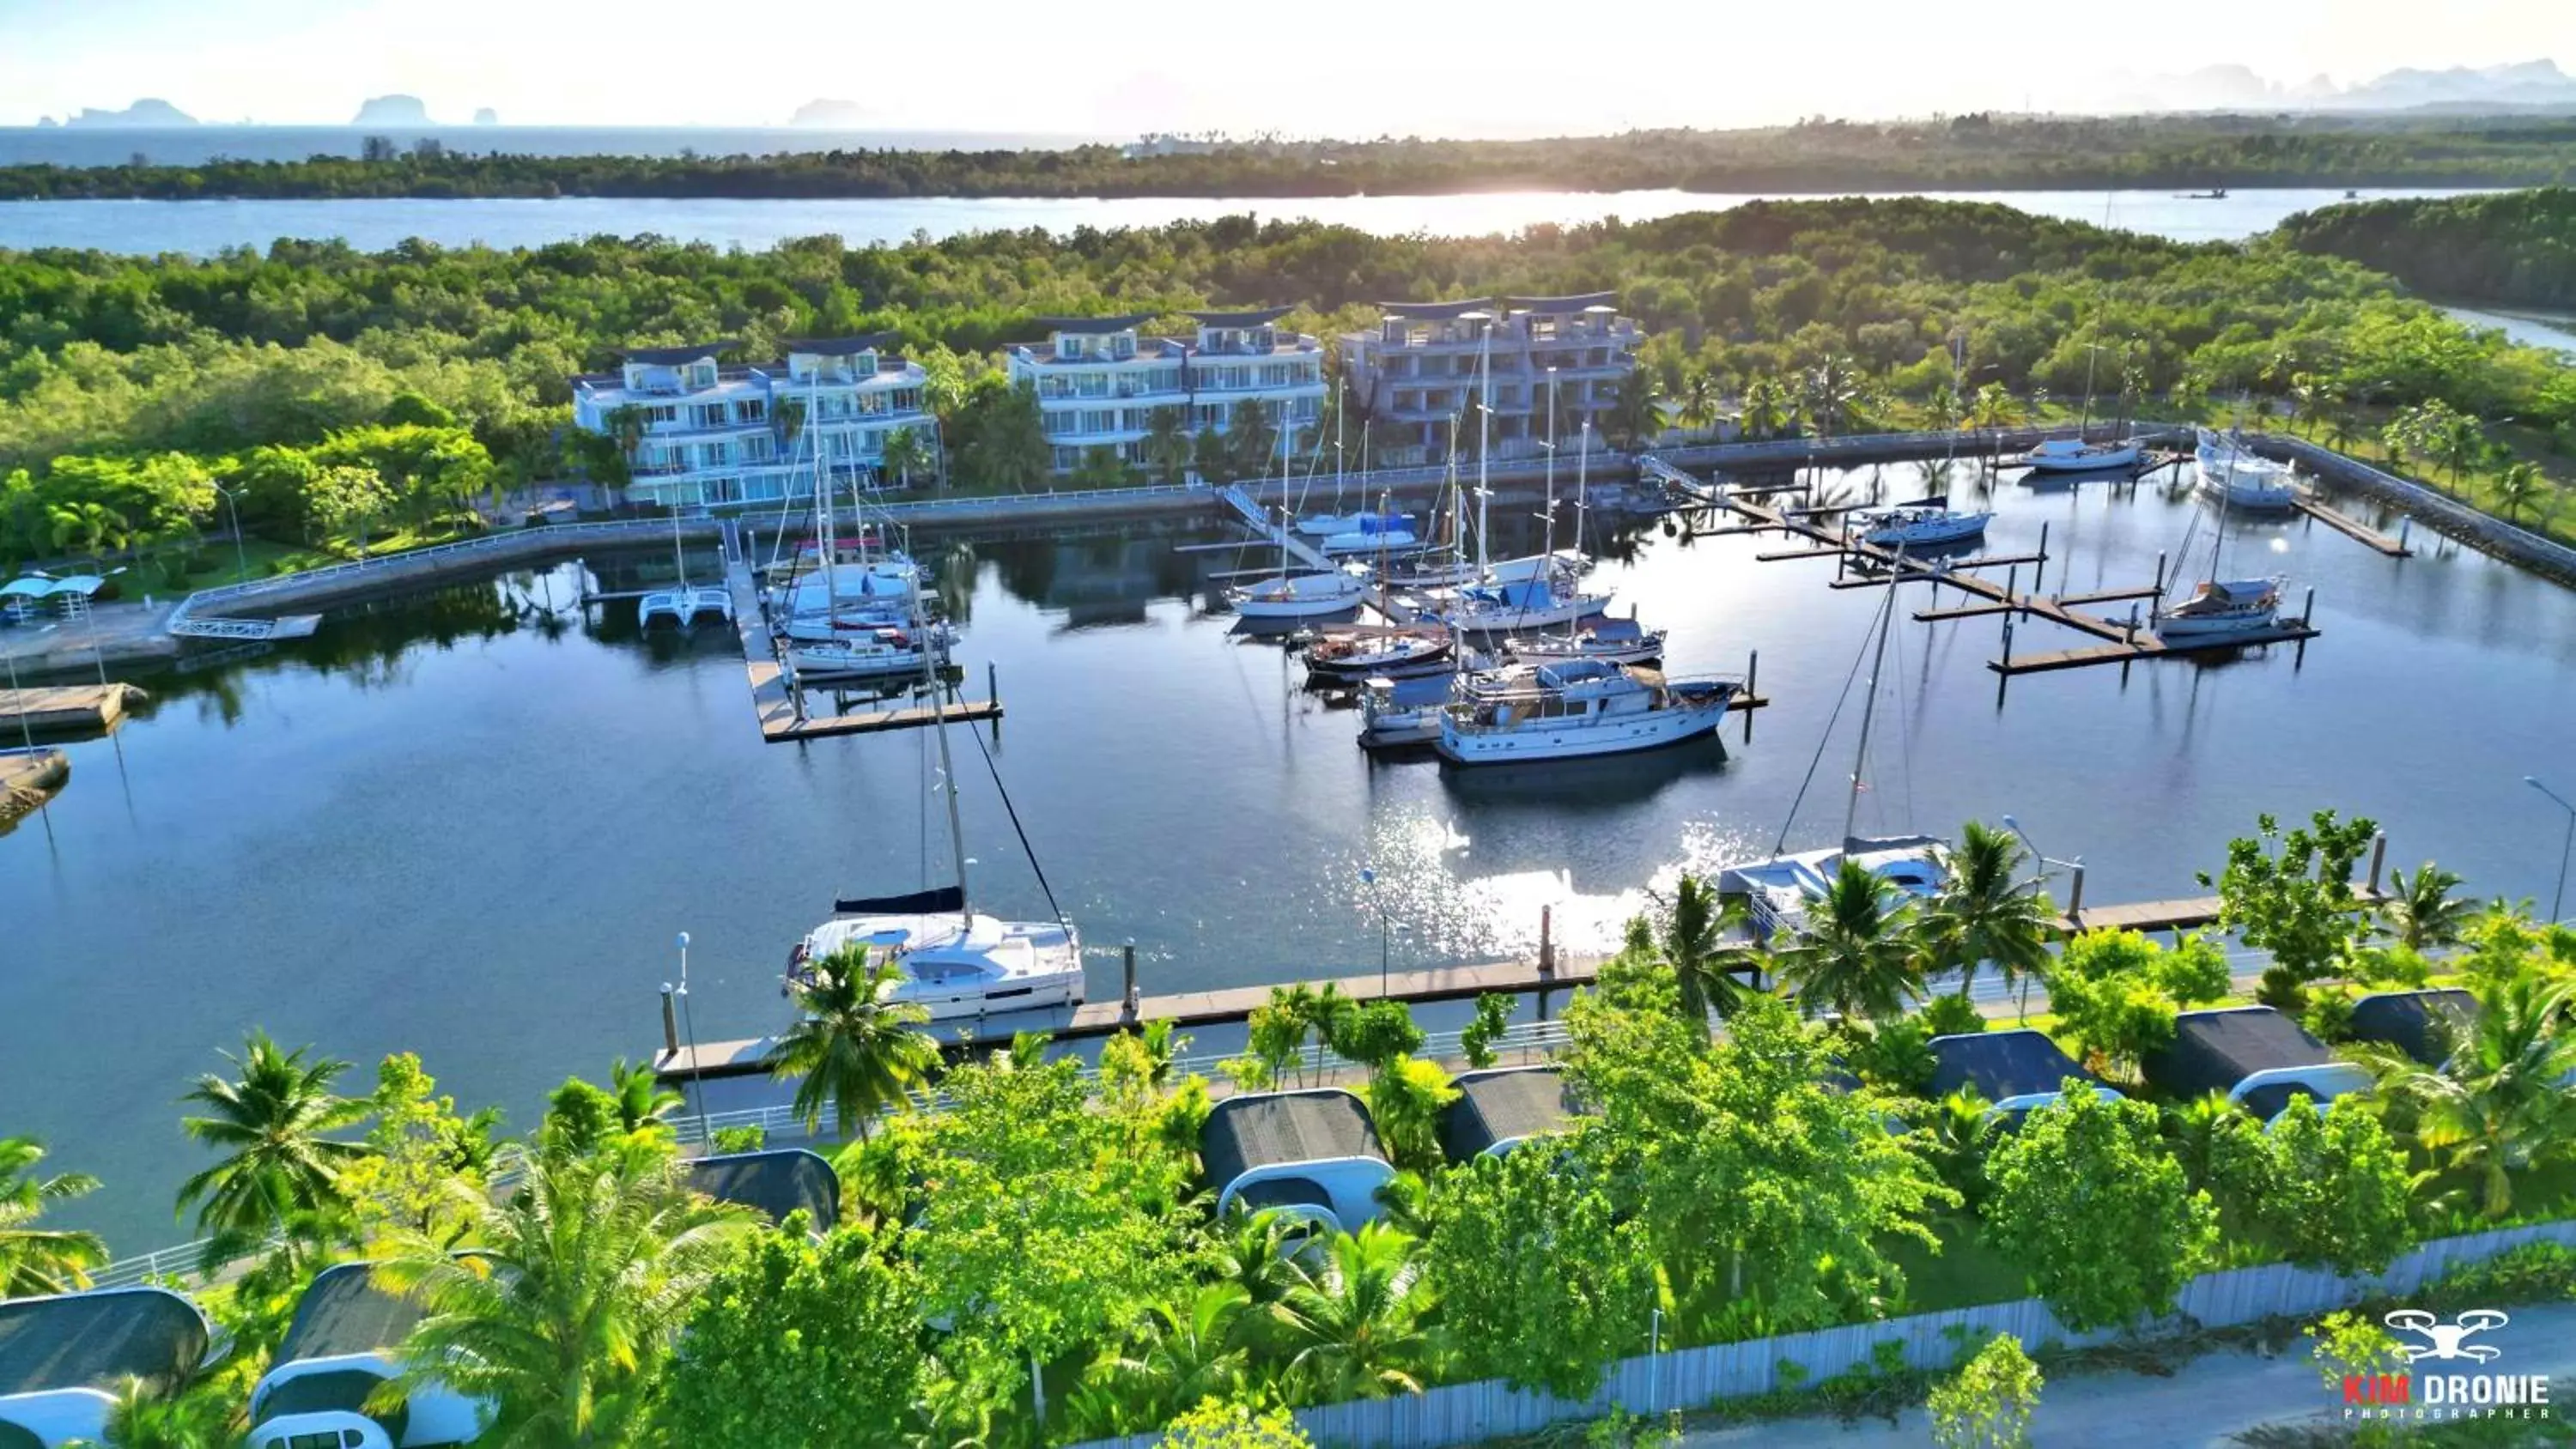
[201,228]
[469,826]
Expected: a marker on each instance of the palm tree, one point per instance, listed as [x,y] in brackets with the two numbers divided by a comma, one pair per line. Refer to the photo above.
[642,1101]
[2421,912]
[272,1124]
[569,1302]
[906,452]
[1700,400]
[626,427]
[2193,1131]
[1252,1255]
[1855,954]
[1985,912]
[143,1417]
[1834,394]
[2499,1105]
[1636,416]
[1354,1318]
[1167,444]
[1946,409]
[2518,487]
[1993,408]
[1766,407]
[41,1260]
[852,1049]
[2341,431]
[1692,940]
[2462,446]
[1191,1350]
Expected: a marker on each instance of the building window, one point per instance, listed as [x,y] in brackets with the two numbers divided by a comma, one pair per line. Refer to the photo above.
[1069,346]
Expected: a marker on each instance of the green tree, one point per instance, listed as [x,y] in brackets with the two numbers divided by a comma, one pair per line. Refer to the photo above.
[1167,446]
[1100,468]
[1406,1100]
[1857,953]
[1376,1034]
[1533,1257]
[909,451]
[1701,401]
[643,1103]
[1353,1324]
[564,1314]
[2420,913]
[2498,1108]
[1234,1425]
[1210,458]
[2291,894]
[1986,913]
[2117,992]
[1188,1351]
[2340,1197]
[272,1127]
[2518,487]
[1003,436]
[1636,415]
[1987,1404]
[1766,407]
[1493,1018]
[792,1334]
[2096,1211]
[348,500]
[36,1260]
[1252,441]
[142,1416]
[1692,939]
[851,1049]
[418,1150]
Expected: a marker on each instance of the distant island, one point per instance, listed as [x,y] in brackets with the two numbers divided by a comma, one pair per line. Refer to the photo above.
[841,114]
[145,112]
[486,116]
[393,111]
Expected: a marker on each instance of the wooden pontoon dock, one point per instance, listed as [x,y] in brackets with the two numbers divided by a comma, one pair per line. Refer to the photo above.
[66,709]
[779,706]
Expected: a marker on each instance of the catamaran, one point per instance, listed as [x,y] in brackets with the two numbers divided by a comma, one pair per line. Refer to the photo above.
[952,962]
[2239,477]
[684,603]
[1583,707]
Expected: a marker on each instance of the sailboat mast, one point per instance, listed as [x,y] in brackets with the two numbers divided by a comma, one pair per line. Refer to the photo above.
[1337,445]
[1484,446]
[1869,704]
[823,514]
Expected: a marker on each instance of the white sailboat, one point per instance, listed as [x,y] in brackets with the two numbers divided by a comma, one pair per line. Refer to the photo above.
[1288,597]
[1781,886]
[953,963]
[1925,523]
[2238,477]
[2219,609]
[1492,606]
[1619,641]
[2075,454]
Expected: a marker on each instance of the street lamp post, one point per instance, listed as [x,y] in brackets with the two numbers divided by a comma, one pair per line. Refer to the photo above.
[689,1023]
[2558,902]
[241,558]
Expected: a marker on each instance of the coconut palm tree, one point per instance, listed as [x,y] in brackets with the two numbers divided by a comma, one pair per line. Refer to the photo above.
[1636,416]
[1834,394]
[1167,445]
[1857,953]
[1253,1253]
[1187,1351]
[1994,407]
[1766,407]
[851,1049]
[1701,399]
[273,1126]
[142,1416]
[907,452]
[578,1281]
[2421,913]
[2518,487]
[2461,446]
[2341,432]
[2499,1106]
[1985,912]
[1353,1322]
[642,1101]
[41,1260]
[1692,939]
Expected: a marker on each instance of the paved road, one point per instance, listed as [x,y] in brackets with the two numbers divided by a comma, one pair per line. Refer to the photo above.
[2206,1403]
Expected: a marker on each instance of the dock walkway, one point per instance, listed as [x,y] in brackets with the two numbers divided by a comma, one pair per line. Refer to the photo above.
[776,704]
[66,709]
[1278,534]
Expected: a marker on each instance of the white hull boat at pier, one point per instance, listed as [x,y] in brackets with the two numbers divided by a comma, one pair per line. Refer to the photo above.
[2218,610]
[956,965]
[884,650]
[684,605]
[2240,478]
[1300,596]
[1620,641]
[1780,889]
[1925,524]
[2073,455]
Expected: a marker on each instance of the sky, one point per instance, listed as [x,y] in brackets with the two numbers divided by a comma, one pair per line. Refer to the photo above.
[1351,68]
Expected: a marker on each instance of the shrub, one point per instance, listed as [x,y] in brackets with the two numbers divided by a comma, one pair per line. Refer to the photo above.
[1948,1015]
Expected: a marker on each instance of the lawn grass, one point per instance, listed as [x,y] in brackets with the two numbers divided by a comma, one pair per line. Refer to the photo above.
[1965,1273]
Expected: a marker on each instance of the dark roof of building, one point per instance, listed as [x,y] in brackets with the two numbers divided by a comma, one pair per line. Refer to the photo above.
[343,1312]
[2272,1098]
[2001,1064]
[1435,311]
[1088,326]
[1560,305]
[777,1182]
[1503,1106]
[2212,1051]
[1270,1128]
[837,346]
[691,352]
[2426,1025]
[94,1340]
[1254,318]
[347,1391]
[1284,1192]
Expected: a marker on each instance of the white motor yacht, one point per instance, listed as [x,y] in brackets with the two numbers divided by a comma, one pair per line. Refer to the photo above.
[1780,889]
[2220,608]
[1300,596]
[2074,455]
[1924,523]
[1579,708]
[875,650]
[2239,477]
[956,964]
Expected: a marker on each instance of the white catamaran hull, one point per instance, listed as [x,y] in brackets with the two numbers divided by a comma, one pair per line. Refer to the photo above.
[985,968]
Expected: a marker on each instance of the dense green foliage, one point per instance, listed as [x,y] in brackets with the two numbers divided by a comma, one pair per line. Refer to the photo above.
[37,1259]
[1987,1404]
[2096,1211]
[1817,155]
[2517,248]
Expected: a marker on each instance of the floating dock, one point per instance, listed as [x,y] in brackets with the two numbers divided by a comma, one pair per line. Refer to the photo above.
[66,709]
[779,707]
[2357,532]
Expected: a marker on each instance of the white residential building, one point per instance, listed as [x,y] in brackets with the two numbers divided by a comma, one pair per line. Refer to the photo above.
[713,434]
[1099,381]
[1418,370]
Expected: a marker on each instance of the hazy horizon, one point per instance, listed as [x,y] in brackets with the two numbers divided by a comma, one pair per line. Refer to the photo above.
[1341,69]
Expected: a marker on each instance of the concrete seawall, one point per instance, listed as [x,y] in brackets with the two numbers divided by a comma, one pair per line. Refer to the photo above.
[2448,516]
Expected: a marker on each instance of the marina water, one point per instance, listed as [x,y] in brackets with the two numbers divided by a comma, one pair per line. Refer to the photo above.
[470,824]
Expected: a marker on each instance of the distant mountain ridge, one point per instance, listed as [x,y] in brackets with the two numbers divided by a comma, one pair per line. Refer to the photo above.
[2521,85]
[393,111]
[145,112]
